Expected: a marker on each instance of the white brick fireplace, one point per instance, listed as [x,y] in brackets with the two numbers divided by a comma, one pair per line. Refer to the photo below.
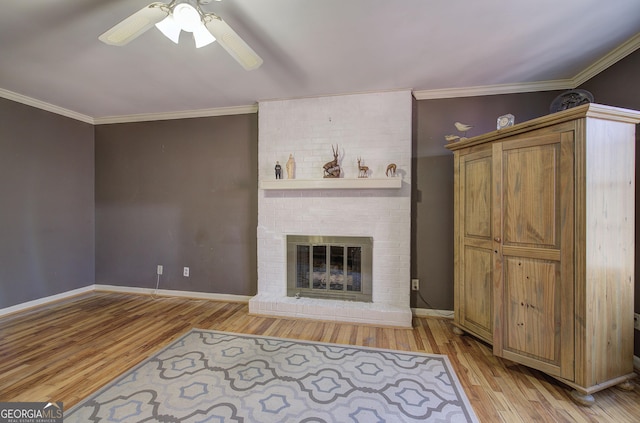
[375,127]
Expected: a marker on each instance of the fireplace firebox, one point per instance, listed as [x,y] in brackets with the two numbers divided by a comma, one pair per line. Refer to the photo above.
[330,267]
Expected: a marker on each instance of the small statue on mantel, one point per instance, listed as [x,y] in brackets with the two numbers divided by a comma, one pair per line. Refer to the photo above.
[363,171]
[391,170]
[291,167]
[278,170]
[332,168]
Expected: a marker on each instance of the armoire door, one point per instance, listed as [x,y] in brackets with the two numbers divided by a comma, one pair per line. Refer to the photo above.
[533,250]
[473,291]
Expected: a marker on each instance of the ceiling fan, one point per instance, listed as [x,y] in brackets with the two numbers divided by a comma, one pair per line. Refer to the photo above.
[183,15]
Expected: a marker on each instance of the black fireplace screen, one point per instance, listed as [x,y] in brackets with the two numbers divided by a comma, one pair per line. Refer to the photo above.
[329,267]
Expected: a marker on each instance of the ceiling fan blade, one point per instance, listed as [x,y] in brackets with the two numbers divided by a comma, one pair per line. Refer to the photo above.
[135,25]
[232,42]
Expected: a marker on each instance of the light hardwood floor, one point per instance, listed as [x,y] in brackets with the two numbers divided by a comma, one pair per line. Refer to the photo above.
[64,351]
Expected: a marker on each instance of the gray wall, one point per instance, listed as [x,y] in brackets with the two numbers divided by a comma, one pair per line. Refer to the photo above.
[178,193]
[46,204]
[432,222]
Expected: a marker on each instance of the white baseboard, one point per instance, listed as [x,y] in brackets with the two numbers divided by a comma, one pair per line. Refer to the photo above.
[173,293]
[45,300]
[418,312]
[123,289]
[430,312]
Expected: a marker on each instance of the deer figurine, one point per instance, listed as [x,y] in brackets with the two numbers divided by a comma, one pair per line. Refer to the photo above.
[391,169]
[363,170]
[332,169]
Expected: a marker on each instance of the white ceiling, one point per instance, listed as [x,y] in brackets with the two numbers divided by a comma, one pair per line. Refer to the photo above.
[50,53]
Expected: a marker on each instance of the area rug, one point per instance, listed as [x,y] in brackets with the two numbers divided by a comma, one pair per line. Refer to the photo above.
[211,376]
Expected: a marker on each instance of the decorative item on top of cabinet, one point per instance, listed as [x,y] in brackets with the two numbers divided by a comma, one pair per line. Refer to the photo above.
[463,127]
[505,121]
[544,233]
[570,99]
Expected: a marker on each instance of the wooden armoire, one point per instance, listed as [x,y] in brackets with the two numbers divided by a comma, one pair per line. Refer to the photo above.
[544,244]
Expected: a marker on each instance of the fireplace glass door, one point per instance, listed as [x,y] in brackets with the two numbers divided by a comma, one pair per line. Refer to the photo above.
[329,267]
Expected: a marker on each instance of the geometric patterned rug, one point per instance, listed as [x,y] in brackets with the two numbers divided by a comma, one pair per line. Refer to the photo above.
[211,376]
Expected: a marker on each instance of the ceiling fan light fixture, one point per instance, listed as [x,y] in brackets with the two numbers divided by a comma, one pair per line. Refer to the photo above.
[170,28]
[172,18]
[187,17]
[202,36]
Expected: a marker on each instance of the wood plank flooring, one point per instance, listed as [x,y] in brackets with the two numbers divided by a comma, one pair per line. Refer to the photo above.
[64,351]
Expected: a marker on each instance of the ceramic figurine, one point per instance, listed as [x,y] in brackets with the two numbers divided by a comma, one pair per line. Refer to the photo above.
[391,169]
[363,171]
[291,167]
[278,171]
[462,127]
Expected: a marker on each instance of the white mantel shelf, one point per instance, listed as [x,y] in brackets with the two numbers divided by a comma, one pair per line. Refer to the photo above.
[331,183]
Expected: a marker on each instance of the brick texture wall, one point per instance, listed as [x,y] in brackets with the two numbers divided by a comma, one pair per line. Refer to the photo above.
[375,127]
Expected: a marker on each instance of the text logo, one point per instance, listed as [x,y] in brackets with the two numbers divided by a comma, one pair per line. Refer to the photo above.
[31,412]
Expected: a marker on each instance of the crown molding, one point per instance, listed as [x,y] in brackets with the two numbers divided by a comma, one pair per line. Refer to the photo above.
[619,53]
[561,84]
[600,65]
[19,98]
[187,114]
[219,111]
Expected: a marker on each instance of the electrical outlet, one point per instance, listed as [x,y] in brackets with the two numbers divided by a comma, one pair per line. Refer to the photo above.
[159,271]
[185,272]
[636,321]
[415,284]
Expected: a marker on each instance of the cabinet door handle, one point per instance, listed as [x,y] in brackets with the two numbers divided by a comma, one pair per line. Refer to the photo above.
[497,239]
